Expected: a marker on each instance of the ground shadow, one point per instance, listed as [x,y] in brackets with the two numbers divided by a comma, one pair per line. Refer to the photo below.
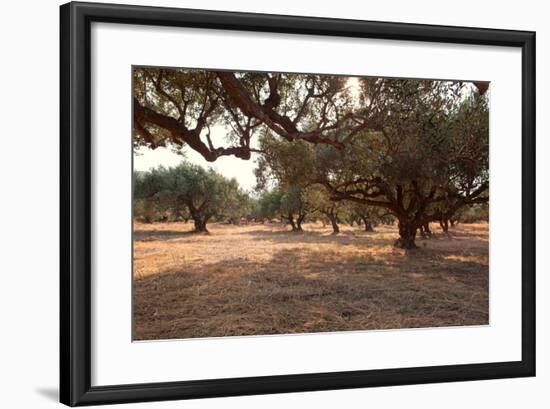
[309,290]
[380,237]
[313,236]
[148,235]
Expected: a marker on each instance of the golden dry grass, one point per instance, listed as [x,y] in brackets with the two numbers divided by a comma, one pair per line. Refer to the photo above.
[263,279]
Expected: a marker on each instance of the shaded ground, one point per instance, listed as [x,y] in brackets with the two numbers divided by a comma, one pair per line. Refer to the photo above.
[263,279]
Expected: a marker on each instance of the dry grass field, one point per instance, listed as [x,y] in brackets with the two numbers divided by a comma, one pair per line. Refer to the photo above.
[262,279]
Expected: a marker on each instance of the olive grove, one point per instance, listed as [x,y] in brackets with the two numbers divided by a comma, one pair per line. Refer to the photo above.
[416,151]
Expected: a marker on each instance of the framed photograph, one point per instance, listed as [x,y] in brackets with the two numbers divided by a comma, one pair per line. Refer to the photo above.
[256,204]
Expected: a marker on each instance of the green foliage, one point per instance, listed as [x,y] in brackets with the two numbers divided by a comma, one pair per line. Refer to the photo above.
[191,190]
[292,201]
[289,205]
[417,149]
[368,216]
[426,159]
[474,213]
[269,204]
[283,163]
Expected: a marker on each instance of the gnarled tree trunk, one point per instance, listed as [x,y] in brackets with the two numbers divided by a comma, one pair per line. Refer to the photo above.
[367,223]
[295,224]
[299,221]
[334,222]
[407,235]
[200,224]
[199,215]
[425,230]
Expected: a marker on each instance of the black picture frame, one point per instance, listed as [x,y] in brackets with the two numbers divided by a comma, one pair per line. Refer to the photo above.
[75,203]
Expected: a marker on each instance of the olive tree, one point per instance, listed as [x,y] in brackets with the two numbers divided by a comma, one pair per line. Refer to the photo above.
[431,154]
[269,203]
[319,201]
[204,193]
[294,207]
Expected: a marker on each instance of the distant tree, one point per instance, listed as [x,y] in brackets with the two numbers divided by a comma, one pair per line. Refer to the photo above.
[473,214]
[204,193]
[288,205]
[367,216]
[269,203]
[294,208]
[319,201]
[283,167]
[238,204]
[146,187]
[145,210]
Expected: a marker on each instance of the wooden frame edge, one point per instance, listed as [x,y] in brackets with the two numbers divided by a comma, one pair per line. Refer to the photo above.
[75,204]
